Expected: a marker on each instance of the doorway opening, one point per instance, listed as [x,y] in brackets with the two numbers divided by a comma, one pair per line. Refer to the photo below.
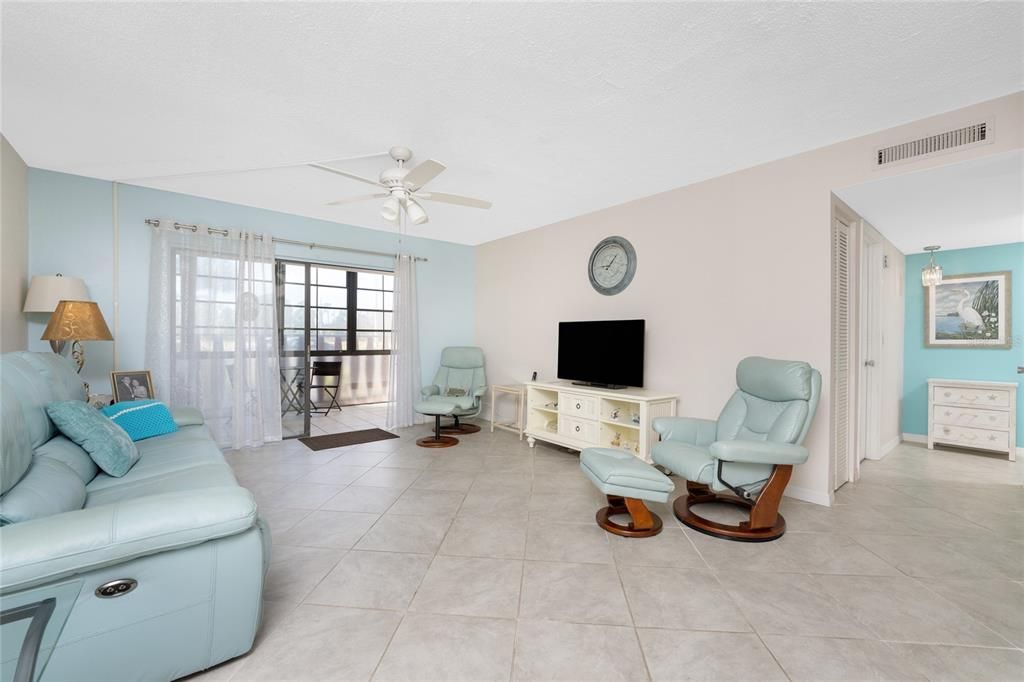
[334,340]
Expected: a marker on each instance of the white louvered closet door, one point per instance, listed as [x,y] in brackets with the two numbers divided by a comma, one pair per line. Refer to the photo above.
[841,351]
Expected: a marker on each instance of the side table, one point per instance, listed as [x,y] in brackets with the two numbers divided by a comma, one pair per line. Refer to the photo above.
[515,390]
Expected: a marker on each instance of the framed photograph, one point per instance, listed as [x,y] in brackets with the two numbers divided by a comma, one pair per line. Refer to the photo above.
[133,385]
[968,311]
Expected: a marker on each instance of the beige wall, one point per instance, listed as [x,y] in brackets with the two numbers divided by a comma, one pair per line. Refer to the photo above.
[733,266]
[13,248]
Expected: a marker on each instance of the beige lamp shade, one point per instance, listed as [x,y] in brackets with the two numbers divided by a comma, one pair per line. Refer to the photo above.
[78,321]
[46,291]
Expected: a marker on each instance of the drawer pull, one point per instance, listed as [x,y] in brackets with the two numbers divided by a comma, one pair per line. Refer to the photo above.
[947,394]
[949,413]
[577,428]
[945,430]
[992,437]
[578,406]
[992,396]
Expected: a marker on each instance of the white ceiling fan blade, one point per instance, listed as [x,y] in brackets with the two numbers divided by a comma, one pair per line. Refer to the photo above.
[454,199]
[423,173]
[352,200]
[346,174]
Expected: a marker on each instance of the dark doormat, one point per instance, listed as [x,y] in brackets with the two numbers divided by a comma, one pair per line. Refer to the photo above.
[338,440]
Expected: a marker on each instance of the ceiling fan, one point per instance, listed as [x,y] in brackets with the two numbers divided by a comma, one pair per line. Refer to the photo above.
[403,188]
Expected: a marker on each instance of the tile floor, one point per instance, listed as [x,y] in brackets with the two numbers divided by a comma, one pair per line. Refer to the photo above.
[482,561]
[349,418]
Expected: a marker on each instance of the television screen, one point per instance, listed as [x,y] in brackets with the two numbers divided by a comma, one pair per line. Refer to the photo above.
[606,353]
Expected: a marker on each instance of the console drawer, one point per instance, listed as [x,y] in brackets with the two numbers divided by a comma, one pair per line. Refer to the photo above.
[972,397]
[969,416]
[578,429]
[972,438]
[578,405]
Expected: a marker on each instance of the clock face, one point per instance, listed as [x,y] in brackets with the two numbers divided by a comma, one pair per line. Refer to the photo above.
[612,265]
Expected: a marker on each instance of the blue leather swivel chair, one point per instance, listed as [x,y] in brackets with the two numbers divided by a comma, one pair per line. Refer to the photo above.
[749,451]
[457,392]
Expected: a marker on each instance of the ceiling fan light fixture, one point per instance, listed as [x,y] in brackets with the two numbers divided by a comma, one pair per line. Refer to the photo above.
[390,209]
[416,213]
[931,274]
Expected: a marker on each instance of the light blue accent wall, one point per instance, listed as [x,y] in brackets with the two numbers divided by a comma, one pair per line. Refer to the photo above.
[71,231]
[982,364]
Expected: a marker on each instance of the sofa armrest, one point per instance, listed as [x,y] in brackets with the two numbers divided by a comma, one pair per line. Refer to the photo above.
[428,391]
[758,452]
[186,416]
[686,429]
[54,547]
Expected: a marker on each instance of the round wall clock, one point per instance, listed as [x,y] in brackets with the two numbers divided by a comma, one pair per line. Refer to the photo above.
[612,265]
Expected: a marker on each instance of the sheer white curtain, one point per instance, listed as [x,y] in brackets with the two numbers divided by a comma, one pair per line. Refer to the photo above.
[404,380]
[212,331]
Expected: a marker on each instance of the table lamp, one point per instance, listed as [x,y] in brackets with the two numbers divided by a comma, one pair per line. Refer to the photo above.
[46,291]
[77,321]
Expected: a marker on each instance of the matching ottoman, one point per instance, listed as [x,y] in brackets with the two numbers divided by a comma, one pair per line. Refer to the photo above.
[436,408]
[626,481]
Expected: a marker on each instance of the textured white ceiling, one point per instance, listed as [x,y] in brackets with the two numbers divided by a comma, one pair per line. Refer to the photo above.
[972,203]
[548,110]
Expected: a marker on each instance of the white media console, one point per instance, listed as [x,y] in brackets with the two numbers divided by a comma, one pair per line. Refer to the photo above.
[579,417]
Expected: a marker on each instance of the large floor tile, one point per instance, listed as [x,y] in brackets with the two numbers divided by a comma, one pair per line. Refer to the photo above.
[434,479]
[507,504]
[670,548]
[437,647]
[471,586]
[322,643]
[743,556]
[550,650]
[831,553]
[689,599]
[281,519]
[301,495]
[577,593]
[415,534]
[683,655]
[417,502]
[380,477]
[360,498]
[335,473]
[373,580]
[997,603]
[789,604]
[567,542]
[336,530]
[295,571]
[964,664]
[818,658]
[485,537]
[921,556]
[995,556]
[901,609]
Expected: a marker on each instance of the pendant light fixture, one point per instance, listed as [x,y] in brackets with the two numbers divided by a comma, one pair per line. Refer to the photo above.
[931,274]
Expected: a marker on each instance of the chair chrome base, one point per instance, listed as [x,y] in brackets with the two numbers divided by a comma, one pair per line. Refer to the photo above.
[765,524]
[643,523]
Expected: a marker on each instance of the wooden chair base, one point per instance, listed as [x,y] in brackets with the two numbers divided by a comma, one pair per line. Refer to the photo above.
[742,532]
[643,522]
[460,428]
[437,441]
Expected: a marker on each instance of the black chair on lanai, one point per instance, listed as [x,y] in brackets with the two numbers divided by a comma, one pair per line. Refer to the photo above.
[322,374]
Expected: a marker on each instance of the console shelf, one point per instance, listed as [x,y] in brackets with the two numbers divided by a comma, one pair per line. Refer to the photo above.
[578,417]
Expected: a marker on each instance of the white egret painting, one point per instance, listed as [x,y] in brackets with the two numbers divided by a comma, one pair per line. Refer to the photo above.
[969,311]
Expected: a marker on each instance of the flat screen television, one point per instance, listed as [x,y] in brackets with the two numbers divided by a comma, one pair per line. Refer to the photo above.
[605,353]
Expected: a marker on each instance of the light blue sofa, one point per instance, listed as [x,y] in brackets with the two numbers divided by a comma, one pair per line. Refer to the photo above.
[178,524]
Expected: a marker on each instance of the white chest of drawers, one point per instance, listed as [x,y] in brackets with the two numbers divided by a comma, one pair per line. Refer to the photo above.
[973,414]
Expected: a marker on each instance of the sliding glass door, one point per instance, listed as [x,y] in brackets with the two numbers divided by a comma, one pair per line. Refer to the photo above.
[335,343]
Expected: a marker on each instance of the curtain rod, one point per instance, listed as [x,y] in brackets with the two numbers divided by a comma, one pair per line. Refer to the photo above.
[278,240]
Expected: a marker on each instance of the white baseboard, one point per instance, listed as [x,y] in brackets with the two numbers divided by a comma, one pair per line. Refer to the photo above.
[915,438]
[808,495]
[887,448]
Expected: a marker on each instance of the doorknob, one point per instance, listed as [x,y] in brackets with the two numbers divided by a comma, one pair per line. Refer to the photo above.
[869,363]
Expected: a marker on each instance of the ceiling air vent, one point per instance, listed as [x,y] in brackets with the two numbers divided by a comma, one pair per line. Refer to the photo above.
[951,139]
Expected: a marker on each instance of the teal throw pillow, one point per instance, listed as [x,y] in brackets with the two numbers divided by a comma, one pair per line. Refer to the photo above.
[141,418]
[106,442]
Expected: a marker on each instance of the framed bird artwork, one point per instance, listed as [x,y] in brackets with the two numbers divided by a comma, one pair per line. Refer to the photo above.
[969,311]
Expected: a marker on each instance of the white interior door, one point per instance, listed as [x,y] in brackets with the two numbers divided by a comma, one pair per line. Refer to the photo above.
[869,352]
